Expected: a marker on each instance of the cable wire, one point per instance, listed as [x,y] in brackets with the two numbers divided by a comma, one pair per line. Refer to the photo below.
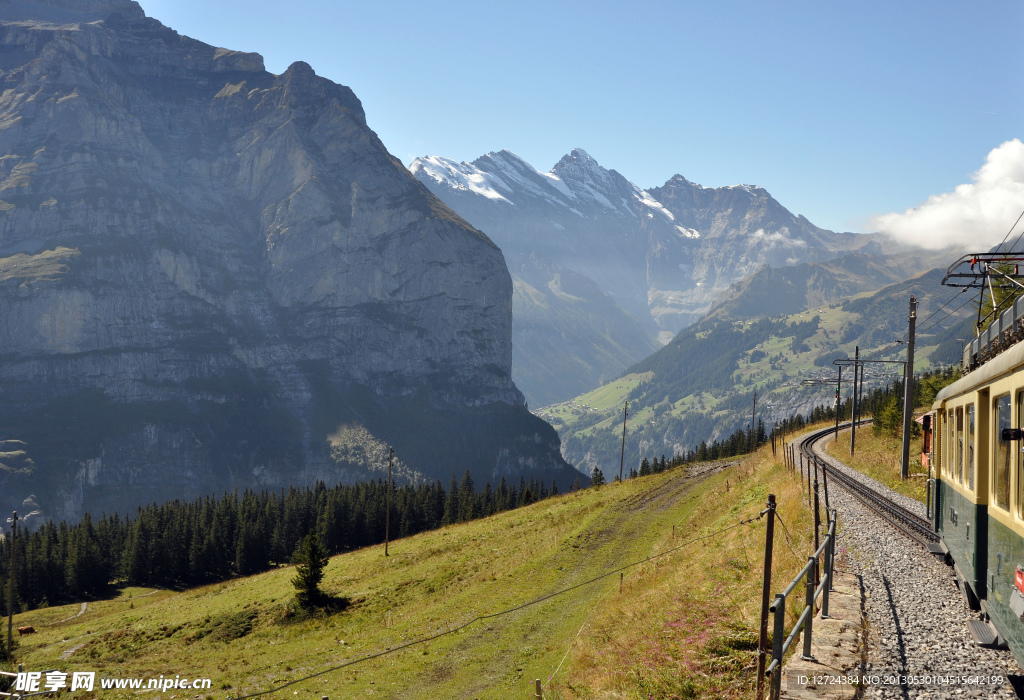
[903,338]
[953,311]
[786,531]
[516,608]
[1011,231]
[573,640]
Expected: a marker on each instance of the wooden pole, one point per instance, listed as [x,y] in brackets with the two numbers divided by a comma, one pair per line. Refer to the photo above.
[753,415]
[808,480]
[762,646]
[839,386]
[817,525]
[857,371]
[10,587]
[538,691]
[387,520]
[908,391]
[622,458]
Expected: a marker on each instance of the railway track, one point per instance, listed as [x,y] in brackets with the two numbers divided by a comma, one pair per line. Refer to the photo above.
[910,524]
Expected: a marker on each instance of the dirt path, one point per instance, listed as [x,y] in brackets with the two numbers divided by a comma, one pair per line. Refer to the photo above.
[80,613]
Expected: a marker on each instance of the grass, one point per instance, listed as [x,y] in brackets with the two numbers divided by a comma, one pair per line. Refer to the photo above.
[879,457]
[683,625]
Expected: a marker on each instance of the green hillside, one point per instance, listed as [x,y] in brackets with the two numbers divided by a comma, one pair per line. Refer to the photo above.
[683,624]
[701,385]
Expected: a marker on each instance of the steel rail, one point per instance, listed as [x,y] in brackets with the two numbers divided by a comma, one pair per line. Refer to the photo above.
[909,523]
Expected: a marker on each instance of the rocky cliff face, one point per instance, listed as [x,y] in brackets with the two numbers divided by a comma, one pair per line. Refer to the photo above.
[208,273]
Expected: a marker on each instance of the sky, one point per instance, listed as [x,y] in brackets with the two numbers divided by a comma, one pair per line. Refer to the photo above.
[856,115]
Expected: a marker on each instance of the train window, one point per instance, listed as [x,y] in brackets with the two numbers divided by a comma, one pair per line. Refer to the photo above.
[959,445]
[950,463]
[1001,465]
[970,446]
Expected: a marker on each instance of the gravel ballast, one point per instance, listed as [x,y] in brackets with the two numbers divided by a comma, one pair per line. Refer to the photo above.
[917,619]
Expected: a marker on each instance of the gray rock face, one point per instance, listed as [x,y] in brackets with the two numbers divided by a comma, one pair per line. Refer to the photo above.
[208,273]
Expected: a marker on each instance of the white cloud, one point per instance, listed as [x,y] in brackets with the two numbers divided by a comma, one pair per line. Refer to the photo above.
[974,216]
[780,237]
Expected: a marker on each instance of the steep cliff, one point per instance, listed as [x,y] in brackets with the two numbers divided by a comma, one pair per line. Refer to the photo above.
[211,277]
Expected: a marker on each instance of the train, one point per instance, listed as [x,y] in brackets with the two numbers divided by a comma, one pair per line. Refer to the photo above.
[974,444]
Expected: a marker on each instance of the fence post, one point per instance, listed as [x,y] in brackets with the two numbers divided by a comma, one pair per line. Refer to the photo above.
[817,523]
[811,576]
[824,479]
[762,646]
[537,688]
[777,638]
[830,544]
[809,487]
[835,531]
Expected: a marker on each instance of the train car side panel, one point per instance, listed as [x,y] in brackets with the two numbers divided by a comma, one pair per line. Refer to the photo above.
[1005,582]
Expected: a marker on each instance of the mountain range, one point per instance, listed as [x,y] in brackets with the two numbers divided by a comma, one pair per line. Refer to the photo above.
[701,386]
[645,263]
[213,277]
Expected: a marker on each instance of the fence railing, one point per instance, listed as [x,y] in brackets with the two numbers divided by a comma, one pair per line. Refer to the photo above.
[810,575]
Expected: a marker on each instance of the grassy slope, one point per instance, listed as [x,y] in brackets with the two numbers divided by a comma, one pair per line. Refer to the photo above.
[879,457]
[684,621]
[588,424]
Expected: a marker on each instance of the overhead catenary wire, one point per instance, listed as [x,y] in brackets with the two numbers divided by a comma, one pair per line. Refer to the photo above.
[902,338]
[478,618]
[951,312]
[1011,231]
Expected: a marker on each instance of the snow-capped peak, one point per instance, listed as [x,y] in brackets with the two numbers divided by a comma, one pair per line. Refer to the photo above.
[460,176]
[575,182]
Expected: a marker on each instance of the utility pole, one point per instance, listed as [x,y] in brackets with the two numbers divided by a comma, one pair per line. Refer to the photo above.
[839,387]
[622,458]
[853,407]
[10,588]
[387,520]
[908,390]
[762,647]
[753,414]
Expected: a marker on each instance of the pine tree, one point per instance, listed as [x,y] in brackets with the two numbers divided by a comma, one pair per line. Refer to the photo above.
[596,477]
[310,559]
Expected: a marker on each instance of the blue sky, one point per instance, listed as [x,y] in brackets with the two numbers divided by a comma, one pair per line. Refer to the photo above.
[843,111]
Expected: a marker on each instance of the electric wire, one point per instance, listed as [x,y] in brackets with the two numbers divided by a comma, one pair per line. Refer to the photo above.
[903,338]
[573,640]
[1011,231]
[785,530]
[953,311]
[541,599]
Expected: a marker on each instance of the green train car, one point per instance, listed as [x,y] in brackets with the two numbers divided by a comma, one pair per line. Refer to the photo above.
[977,493]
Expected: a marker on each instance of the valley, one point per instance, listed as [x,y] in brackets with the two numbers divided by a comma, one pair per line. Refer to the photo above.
[701,386]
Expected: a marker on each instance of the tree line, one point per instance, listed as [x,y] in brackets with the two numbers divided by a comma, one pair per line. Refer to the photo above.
[180,544]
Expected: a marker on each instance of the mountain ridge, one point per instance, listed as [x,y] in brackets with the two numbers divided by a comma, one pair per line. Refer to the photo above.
[661,256]
[212,274]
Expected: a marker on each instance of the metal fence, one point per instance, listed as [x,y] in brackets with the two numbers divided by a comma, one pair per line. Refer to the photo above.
[810,575]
